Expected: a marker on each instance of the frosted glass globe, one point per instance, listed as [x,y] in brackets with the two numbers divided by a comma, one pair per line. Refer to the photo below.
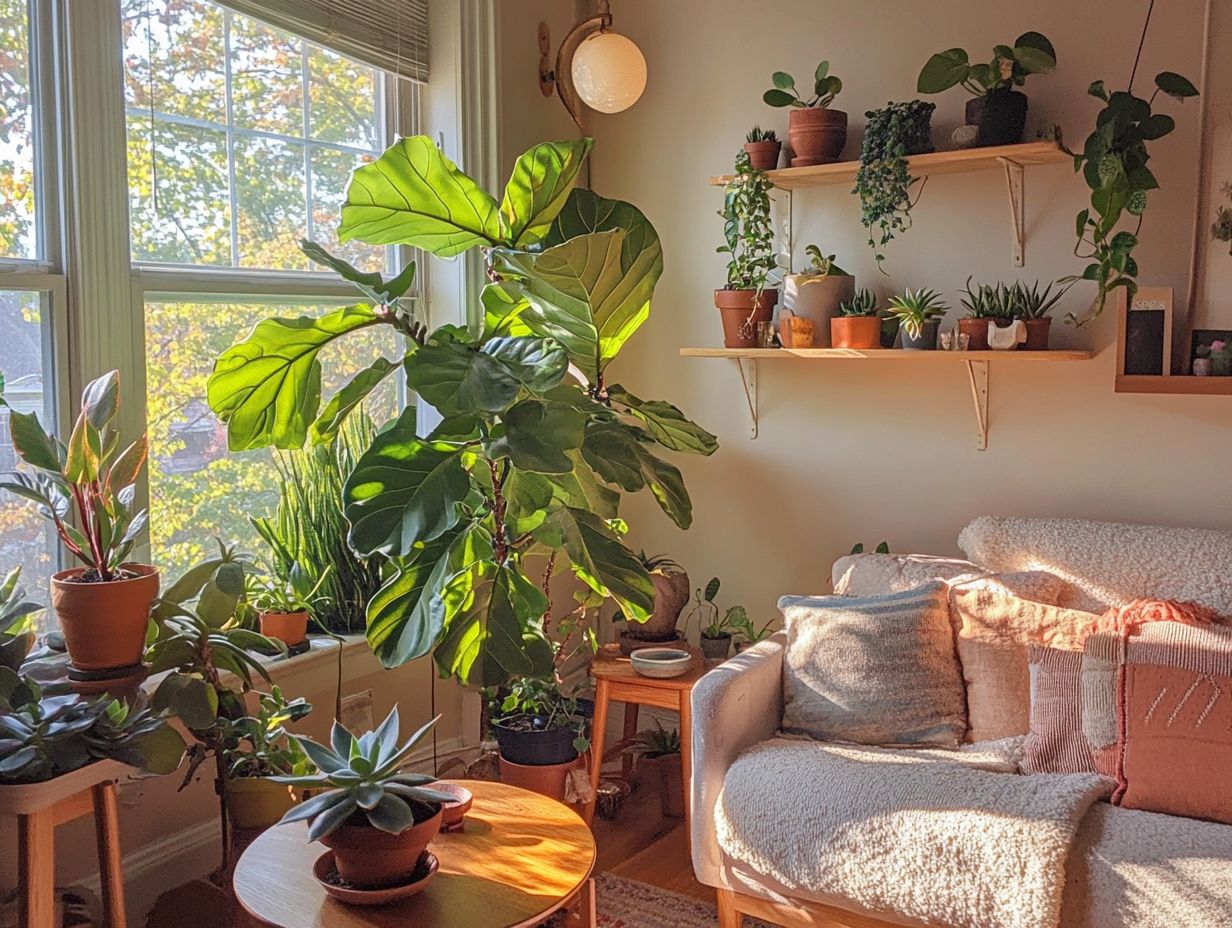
[609,72]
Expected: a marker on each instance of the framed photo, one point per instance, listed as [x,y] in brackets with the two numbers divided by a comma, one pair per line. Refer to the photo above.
[1144,337]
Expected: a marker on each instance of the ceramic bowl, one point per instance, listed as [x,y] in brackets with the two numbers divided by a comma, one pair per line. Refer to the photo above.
[454,812]
[324,870]
[661,662]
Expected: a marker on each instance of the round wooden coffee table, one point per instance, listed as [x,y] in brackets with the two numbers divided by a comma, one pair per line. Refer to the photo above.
[520,857]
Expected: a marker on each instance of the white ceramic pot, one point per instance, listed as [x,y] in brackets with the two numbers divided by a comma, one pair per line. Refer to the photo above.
[817,298]
[661,662]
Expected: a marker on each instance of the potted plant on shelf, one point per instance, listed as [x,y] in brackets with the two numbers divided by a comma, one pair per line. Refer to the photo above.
[284,605]
[658,752]
[257,748]
[985,304]
[883,181]
[997,111]
[1032,305]
[671,595]
[375,819]
[715,636]
[87,489]
[816,133]
[763,147]
[858,324]
[749,633]
[919,315]
[17,621]
[816,292]
[749,244]
[541,732]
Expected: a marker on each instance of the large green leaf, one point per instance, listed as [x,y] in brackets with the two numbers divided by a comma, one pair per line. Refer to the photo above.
[267,388]
[599,559]
[943,71]
[586,212]
[32,444]
[414,195]
[343,403]
[493,611]
[617,455]
[542,180]
[503,306]
[404,490]
[579,489]
[665,423]
[537,435]
[457,378]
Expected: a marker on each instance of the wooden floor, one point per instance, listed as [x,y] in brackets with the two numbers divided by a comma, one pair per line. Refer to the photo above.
[640,844]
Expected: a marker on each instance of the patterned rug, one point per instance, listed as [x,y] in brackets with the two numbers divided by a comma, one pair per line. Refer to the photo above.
[628,904]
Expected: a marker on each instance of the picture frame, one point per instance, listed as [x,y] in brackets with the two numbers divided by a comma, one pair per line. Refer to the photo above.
[1144,332]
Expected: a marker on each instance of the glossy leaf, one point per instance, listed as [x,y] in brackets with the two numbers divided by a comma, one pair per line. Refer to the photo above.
[32,444]
[1174,85]
[665,423]
[344,402]
[943,70]
[406,614]
[414,195]
[600,560]
[267,388]
[542,180]
[457,378]
[538,435]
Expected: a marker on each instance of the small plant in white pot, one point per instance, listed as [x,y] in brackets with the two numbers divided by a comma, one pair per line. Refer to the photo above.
[816,292]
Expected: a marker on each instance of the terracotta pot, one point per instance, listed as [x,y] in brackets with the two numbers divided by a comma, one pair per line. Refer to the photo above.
[763,156]
[1037,333]
[855,332]
[288,627]
[976,331]
[797,331]
[672,591]
[715,649]
[544,779]
[370,858]
[104,624]
[741,314]
[667,778]
[927,340]
[1000,117]
[816,297]
[255,802]
[817,136]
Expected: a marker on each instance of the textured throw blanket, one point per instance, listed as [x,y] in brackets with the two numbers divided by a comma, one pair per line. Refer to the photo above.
[935,836]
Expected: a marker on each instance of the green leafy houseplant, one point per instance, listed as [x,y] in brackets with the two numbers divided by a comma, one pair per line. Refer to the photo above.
[375,818]
[749,633]
[748,241]
[16,621]
[825,88]
[539,706]
[256,748]
[1031,53]
[658,750]
[529,458]
[914,309]
[883,182]
[715,627]
[816,132]
[821,265]
[1113,162]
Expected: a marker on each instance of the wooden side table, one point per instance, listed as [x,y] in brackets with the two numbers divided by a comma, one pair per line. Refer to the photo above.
[39,808]
[615,679]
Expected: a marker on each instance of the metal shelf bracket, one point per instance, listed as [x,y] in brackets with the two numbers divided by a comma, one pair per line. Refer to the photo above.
[1014,186]
[977,373]
[748,379]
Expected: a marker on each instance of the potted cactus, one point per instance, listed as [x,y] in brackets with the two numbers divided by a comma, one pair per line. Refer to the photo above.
[103,606]
[816,133]
[919,315]
[748,231]
[763,147]
[816,292]
[858,324]
[376,819]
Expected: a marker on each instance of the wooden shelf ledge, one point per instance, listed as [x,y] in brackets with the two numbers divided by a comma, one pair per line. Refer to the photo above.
[1175,385]
[939,162]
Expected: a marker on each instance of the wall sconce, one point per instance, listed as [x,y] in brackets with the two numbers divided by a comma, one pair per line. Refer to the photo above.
[595,66]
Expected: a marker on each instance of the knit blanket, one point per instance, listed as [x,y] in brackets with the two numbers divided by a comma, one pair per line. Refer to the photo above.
[931,836]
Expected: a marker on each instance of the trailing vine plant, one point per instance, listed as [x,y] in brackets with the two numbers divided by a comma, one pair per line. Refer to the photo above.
[748,232]
[1113,162]
[883,182]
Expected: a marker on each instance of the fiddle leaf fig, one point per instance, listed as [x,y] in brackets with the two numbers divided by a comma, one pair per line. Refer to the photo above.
[665,423]
[543,180]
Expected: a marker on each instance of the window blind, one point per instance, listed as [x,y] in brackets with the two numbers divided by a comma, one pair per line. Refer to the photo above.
[388,34]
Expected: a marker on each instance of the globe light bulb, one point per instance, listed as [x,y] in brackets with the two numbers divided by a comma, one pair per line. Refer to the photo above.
[609,72]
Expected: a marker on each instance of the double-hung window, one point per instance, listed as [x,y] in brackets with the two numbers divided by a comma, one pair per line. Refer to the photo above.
[32,289]
[241,138]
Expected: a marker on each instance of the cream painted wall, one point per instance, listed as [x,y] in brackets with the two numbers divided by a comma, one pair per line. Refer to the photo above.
[863,451]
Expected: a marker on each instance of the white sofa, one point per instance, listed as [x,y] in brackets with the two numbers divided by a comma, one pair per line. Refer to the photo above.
[1126,868]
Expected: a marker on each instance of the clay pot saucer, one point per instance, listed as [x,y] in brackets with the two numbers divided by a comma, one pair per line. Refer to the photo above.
[454,813]
[327,875]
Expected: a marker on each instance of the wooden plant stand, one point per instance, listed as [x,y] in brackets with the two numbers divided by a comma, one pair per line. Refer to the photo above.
[39,808]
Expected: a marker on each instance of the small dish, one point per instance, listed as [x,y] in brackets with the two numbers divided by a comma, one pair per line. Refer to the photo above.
[661,663]
[424,873]
[454,812]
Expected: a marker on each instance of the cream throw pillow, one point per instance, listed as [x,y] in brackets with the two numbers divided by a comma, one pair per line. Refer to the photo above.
[873,670]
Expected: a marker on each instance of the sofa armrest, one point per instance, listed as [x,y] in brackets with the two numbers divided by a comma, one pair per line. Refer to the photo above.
[735,706]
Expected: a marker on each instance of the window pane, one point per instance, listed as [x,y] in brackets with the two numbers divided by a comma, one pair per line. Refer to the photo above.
[267,78]
[25,538]
[330,170]
[343,100]
[18,234]
[197,488]
[174,54]
[270,202]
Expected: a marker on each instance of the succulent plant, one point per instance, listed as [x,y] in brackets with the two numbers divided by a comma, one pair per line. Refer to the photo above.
[913,308]
[864,303]
[1033,303]
[656,742]
[979,300]
[16,621]
[825,88]
[362,777]
[758,134]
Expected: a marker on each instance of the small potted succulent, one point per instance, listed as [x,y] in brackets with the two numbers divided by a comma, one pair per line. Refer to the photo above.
[671,595]
[816,133]
[748,230]
[985,304]
[376,819]
[858,324]
[997,111]
[816,292]
[1032,306]
[285,605]
[763,147]
[258,747]
[87,489]
[715,636]
[541,732]
[919,315]
[658,751]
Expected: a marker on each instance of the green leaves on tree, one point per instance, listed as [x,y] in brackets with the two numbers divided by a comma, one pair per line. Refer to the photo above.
[542,182]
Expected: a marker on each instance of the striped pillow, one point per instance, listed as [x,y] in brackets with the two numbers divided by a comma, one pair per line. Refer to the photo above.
[873,670]
[1055,743]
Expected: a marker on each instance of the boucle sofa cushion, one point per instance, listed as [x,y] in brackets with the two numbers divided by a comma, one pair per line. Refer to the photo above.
[994,630]
[873,574]
[1055,743]
[1111,562]
[873,670]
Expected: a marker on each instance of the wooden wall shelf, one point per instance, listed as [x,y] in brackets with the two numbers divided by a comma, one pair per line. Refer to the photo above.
[976,363]
[1175,385]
